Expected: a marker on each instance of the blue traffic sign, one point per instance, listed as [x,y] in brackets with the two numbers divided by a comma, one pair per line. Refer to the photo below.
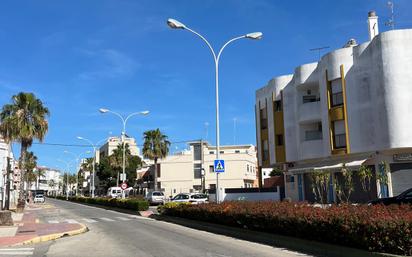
[219,166]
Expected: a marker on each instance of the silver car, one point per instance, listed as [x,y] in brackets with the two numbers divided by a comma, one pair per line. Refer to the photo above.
[155,197]
[39,199]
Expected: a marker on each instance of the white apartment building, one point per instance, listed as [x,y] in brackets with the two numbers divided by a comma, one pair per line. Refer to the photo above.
[5,152]
[44,182]
[353,107]
[193,170]
[112,144]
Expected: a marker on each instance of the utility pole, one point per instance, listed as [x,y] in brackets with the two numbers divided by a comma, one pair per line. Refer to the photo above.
[202,170]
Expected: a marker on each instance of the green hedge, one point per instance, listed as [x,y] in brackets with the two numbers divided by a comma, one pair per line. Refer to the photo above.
[375,228]
[131,204]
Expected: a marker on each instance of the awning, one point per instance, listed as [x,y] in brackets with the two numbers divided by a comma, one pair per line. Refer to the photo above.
[327,165]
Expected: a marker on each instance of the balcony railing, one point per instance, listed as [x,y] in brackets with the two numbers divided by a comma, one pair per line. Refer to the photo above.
[340,140]
[313,135]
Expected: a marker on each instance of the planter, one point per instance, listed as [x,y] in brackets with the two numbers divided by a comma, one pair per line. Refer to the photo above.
[20,206]
[5,218]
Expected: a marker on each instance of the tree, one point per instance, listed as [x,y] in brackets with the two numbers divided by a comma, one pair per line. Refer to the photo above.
[31,163]
[344,186]
[52,183]
[365,176]
[23,121]
[320,185]
[276,172]
[155,146]
[109,166]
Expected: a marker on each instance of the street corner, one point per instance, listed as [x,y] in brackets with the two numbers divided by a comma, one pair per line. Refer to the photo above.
[49,232]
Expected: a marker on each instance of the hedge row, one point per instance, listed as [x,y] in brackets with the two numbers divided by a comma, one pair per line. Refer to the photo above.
[375,228]
[131,204]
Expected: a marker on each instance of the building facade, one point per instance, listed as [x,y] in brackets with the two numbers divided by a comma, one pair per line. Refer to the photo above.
[351,108]
[192,170]
[112,144]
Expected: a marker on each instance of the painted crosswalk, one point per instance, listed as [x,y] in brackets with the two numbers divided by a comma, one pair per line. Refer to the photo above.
[92,220]
[16,251]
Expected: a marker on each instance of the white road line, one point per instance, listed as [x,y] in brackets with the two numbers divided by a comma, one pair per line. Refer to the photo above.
[90,220]
[106,219]
[122,218]
[17,249]
[53,221]
[16,253]
[72,221]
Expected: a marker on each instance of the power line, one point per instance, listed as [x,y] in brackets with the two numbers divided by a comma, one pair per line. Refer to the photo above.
[82,145]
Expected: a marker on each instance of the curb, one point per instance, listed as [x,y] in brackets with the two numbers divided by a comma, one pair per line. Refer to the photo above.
[55,236]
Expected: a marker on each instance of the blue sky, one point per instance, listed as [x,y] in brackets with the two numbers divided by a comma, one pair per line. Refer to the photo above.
[79,56]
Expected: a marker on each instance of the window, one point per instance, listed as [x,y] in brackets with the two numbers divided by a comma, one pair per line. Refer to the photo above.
[197,167]
[212,186]
[247,169]
[336,93]
[279,140]
[211,169]
[197,152]
[265,150]
[222,152]
[309,99]
[237,151]
[278,106]
[339,134]
[211,152]
[197,187]
[314,134]
[263,119]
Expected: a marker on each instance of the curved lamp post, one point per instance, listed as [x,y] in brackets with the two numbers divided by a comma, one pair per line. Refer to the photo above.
[77,159]
[174,24]
[124,121]
[94,146]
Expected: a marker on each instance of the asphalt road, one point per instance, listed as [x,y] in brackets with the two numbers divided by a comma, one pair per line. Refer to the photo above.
[117,234]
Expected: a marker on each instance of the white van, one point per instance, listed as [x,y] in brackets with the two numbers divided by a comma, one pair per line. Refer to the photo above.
[114,192]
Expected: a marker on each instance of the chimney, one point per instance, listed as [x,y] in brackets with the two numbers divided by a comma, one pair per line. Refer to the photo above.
[372,25]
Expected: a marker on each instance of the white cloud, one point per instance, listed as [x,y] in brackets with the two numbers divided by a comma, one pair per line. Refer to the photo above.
[110,64]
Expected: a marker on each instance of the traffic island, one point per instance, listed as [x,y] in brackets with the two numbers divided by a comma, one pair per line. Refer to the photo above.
[27,229]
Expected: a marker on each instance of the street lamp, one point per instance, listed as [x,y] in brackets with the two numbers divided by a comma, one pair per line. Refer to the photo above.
[174,24]
[94,146]
[124,121]
[77,159]
[67,178]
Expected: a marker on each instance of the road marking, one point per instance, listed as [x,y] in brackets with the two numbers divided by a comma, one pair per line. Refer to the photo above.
[90,220]
[53,221]
[16,251]
[106,219]
[122,218]
[71,221]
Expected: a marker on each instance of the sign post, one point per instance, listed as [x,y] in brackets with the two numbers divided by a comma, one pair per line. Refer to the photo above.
[219,168]
[123,186]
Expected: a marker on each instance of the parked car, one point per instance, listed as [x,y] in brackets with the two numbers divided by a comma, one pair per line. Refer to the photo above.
[39,199]
[155,197]
[114,192]
[195,198]
[403,198]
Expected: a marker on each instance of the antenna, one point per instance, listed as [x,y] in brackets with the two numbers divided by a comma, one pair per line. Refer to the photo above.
[391,21]
[234,130]
[319,49]
[207,129]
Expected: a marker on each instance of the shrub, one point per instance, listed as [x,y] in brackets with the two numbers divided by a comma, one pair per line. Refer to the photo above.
[131,204]
[374,228]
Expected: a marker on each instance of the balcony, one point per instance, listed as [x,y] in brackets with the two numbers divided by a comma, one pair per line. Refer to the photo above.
[309,112]
[311,149]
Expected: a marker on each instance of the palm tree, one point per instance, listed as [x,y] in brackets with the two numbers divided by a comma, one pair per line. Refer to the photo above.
[155,146]
[116,159]
[31,163]
[40,173]
[52,184]
[24,120]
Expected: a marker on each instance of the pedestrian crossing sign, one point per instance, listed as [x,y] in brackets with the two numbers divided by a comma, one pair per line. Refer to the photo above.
[219,166]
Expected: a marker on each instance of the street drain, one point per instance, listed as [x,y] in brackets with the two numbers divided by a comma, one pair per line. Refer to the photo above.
[26,231]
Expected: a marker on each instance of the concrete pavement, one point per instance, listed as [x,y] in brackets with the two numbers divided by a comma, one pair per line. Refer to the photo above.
[117,234]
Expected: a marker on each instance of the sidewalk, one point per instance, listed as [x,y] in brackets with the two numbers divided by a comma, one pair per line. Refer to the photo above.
[27,228]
